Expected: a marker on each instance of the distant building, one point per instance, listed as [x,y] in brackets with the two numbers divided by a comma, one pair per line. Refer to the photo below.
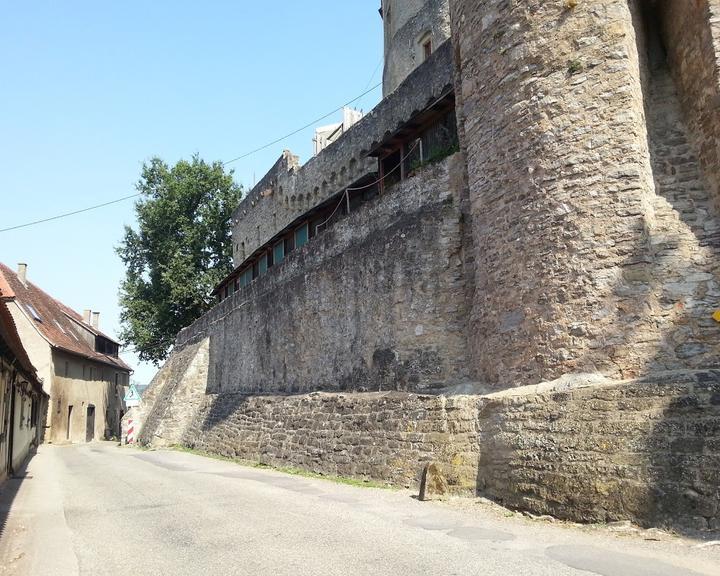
[326,135]
[23,403]
[78,365]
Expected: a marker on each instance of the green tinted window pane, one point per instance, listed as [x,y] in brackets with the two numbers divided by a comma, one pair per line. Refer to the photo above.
[263,265]
[301,236]
[246,277]
[279,252]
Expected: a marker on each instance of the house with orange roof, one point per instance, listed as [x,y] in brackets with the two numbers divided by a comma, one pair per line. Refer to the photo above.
[23,403]
[79,366]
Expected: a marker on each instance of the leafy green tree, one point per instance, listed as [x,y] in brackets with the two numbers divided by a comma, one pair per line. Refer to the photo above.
[181,250]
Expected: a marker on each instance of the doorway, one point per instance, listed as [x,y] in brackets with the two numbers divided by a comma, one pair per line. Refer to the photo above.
[90,427]
[69,422]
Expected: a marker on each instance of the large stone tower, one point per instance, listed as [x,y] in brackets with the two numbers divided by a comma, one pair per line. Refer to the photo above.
[591,143]
[413,30]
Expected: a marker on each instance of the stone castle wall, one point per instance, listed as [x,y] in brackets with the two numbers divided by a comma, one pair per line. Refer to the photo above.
[645,450]
[386,436]
[585,259]
[377,302]
[692,41]
[575,238]
[290,190]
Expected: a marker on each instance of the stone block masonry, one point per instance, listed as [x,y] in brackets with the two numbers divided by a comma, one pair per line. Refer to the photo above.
[289,190]
[386,436]
[595,251]
[646,450]
[378,302]
[575,238]
[581,447]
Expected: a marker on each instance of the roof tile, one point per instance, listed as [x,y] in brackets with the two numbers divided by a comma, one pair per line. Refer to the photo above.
[58,323]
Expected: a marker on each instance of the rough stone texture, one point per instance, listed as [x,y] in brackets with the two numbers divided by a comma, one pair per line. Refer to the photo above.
[384,436]
[580,265]
[407,23]
[692,40]
[433,485]
[288,190]
[377,302]
[646,450]
[171,401]
[586,180]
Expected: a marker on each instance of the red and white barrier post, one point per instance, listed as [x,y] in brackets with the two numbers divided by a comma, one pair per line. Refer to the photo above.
[130,437]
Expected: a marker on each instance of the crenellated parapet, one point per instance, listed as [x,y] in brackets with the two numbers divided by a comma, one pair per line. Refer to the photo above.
[289,190]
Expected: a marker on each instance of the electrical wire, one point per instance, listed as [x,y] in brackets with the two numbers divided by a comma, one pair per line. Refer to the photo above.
[245,155]
[66,214]
[308,125]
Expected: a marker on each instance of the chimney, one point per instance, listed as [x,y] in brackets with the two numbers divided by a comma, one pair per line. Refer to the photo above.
[22,273]
[86,316]
[96,320]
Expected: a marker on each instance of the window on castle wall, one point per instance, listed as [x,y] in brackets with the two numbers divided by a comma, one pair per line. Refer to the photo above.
[263,265]
[301,235]
[426,46]
[245,279]
[279,252]
[289,244]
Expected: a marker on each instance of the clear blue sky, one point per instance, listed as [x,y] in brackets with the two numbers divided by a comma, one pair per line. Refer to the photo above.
[92,89]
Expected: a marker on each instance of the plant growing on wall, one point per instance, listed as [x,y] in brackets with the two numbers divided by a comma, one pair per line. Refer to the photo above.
[181,249]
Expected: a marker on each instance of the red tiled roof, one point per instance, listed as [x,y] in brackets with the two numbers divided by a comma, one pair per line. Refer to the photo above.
[58,324]
[9,335]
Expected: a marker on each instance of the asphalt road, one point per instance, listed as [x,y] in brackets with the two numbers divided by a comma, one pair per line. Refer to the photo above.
[103,510]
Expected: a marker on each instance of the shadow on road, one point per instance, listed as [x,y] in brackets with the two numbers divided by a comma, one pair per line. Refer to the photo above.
[8,491]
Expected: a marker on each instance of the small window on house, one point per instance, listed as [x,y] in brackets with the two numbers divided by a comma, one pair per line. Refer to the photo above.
[279,252]
[301,235]
[33,312]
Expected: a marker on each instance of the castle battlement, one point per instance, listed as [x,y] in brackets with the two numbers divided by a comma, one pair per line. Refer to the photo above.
[289,190]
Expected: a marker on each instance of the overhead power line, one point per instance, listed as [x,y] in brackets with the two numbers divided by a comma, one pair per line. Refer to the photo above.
[308,125]
[245,155]
[70,213]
